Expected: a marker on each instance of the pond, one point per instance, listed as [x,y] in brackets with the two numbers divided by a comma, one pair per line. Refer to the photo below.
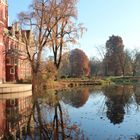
[94,113]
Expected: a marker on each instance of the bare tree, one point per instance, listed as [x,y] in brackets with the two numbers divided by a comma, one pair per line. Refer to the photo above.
[134,61]
[49,22]
[124,59]
[101,50]
[101,60]
[66,31]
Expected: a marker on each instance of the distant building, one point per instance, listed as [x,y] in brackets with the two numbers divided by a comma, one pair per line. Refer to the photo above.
[13,63]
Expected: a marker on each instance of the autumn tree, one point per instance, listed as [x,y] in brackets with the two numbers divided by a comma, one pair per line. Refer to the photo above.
[48,21]
[66,31]
[47,71]
[114,55]
[79,63]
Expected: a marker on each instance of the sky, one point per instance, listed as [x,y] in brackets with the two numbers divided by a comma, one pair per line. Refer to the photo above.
[102,18]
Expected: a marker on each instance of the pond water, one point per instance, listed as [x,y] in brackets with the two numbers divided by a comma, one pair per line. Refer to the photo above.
[94,113]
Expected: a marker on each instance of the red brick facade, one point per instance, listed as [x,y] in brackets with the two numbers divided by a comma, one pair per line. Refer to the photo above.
[14,114]
[13,66]
[3,24]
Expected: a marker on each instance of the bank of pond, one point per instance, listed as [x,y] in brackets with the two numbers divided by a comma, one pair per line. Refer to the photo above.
[95,81]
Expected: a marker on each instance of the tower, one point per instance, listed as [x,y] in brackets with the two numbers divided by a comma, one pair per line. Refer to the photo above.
[4,13]
[3,24]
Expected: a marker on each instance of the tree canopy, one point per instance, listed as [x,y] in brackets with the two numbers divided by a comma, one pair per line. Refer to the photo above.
[79,63]
[114,55]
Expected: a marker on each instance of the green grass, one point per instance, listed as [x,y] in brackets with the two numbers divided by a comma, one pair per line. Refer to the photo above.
[124,80]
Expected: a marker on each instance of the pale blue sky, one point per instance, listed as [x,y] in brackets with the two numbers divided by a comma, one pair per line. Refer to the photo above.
[102,18]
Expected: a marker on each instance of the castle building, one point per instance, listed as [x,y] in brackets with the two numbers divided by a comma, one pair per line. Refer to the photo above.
[13,63]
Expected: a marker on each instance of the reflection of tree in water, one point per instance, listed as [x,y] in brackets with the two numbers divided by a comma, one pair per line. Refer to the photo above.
[117,99]
[137,94]
[52,125]
[137,137]
[76,98]
[115,112]
[44,119]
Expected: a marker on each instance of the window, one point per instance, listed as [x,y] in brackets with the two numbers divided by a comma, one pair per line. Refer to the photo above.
[12,61]
[12,102]
[9,46]
[12,71]
[16,61]
[8,61]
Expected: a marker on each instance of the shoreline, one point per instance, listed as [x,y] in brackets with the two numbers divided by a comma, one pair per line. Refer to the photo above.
[14,88]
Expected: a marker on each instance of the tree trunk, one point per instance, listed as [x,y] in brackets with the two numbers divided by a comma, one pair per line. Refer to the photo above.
[134,72]
[34,83]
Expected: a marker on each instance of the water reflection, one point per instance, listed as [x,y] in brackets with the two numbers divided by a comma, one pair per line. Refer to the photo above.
[72,114]
[76,97]
[51,120]
[120,105]
[137,94]
[117,98]
[36,118]
[14,115]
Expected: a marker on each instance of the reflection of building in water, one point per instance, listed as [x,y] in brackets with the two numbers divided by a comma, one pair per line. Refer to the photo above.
[14,114]
[76,98]
[2,117]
